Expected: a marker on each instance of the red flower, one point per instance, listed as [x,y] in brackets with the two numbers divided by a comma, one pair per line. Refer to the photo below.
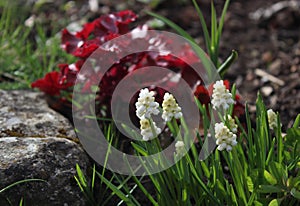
[86,49]
[103,28]
[202,94]
[51,84]
[88,28]
[69,42]
[69,72]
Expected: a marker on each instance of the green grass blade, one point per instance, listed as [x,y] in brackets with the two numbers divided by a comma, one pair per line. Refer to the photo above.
[279,139]
[139,149]
[297,121]
[93,177]
[214,26]
[20,182]
[21,202]
[171,24]
[115,189]
[81,176]
[84,187]
[271,152]
[204,26]
[222,19]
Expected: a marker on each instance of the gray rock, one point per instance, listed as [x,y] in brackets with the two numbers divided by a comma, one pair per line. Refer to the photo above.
[35,142]
[26,113]
[51,159]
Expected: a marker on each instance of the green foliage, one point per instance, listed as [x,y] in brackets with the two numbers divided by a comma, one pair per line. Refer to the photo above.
[263,169]
[27,53]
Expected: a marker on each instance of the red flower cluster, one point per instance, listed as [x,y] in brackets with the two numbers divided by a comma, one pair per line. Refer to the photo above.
[83,43]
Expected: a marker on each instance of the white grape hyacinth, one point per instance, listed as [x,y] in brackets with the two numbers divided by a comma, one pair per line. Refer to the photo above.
[146,130]
[170,108]
[221,96]
[179,148]
[232,125]
[272,119]
[225,138]
[146,105]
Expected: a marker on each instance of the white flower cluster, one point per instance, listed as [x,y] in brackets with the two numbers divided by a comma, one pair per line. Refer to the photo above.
[225,135]
[221,96]
[272,119]
[147,131]
[179,147]
[232,125]
[225,138]
[170,108]
[146,105]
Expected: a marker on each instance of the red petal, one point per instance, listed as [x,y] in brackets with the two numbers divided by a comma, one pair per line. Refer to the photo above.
[126,16]
[88,28]
[238,109]
[69,72]
[237,97]
[202,94]
[109,22]
[86,49]
[69,41]
[49,84]
[227,84]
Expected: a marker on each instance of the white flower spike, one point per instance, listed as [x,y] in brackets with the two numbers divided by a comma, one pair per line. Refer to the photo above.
[232,125]
[272,119]
[146,130]
[221,96]
[170,108]
[146,105]
[179,147]
[225,138]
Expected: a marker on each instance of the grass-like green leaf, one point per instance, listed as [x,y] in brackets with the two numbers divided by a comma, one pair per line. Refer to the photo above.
[21,182]
[222,19]
[269,189]
[275,202]
[270,178]
[297,122]
[115,189]
[171,24]
[204,26]
[21,202]
[295,193]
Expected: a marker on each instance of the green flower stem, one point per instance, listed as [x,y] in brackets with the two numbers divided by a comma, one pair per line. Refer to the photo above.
[228,62]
